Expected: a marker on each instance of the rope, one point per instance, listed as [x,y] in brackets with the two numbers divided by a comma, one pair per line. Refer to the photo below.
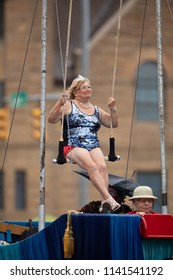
[61,158]
[139,59]
[59,37]
[115,58]
[64,69]
[116,49]
[19,86]
[66,63]
[112,156]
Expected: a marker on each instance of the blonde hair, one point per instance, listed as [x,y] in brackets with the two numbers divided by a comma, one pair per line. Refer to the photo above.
[76,83]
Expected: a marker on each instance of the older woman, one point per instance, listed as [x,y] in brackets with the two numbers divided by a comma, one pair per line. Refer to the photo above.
[82,120]
[143,200]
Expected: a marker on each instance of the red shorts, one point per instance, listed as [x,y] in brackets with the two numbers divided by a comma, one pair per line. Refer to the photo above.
[67,149]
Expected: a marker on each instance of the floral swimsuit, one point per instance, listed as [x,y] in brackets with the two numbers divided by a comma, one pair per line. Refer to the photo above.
[80,129]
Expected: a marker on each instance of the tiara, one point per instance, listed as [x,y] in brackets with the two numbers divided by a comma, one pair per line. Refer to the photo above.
[80,77]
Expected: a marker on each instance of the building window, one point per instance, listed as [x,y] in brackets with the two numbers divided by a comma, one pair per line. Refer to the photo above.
[1,19]
[2,94]
[153,180]
[1,190]
[20,185]
[147,98]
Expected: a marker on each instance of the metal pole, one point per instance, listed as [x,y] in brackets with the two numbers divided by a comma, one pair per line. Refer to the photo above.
[43,117]
[161,106]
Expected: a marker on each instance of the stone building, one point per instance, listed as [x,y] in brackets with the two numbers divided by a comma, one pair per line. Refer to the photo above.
[136,92]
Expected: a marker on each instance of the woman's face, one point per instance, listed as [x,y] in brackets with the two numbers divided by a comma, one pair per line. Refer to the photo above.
[84,89]
[143,204]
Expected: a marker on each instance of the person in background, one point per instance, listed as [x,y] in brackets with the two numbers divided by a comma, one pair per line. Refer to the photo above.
[82,120]
[143,200]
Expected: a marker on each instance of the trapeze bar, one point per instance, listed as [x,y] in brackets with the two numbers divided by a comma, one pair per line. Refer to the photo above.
[69,161]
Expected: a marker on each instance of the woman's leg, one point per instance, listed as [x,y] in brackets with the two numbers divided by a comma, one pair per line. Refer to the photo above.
[83,158]
[99,160]
[97,171]
[110,203]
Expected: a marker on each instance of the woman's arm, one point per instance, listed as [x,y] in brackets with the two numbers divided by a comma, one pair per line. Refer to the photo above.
[55,114]
[107,118]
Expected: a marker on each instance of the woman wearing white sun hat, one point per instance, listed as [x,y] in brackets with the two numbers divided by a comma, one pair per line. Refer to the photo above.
[143,200]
